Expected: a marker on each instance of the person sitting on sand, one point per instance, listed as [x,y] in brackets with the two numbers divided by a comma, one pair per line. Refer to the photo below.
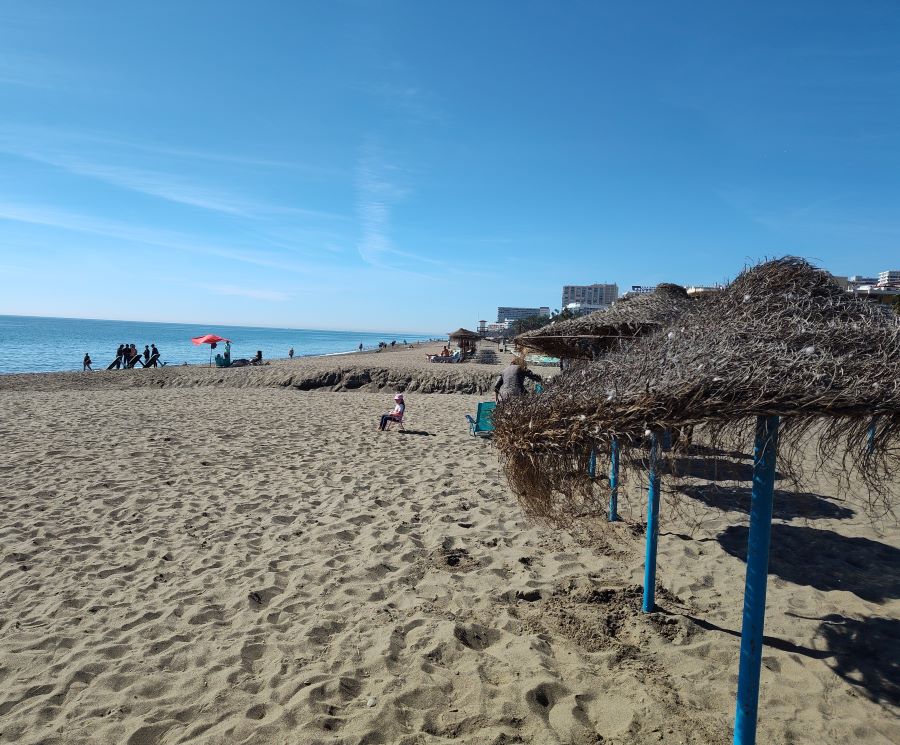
[86,363]
[396,415]
[512,380]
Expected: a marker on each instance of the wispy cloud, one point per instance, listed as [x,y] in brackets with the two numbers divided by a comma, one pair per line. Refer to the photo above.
[376,193]
[166,186]
[269,295]
[18,138]
[53,218]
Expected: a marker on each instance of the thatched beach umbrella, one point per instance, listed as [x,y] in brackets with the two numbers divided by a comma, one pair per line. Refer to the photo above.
[464,338]
[783,345]
[587,337]
[595,334]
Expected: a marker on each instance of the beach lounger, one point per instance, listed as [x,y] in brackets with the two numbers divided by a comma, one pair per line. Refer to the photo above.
[483,423]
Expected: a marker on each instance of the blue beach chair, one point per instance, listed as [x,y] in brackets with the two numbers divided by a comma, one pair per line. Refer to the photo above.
[483,424]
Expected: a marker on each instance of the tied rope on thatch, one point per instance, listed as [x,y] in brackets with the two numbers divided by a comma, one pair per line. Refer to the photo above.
[782,339]
[590,336]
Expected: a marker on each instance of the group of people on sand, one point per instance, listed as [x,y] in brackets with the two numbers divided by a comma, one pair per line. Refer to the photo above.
[127,357]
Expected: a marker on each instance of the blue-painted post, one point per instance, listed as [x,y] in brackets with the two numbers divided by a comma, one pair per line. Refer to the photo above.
[652,529]
[870,445]
[757,575]
[614,480]
[592,464]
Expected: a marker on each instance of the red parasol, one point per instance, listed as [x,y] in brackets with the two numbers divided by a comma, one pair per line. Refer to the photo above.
[210,339]
[207,339]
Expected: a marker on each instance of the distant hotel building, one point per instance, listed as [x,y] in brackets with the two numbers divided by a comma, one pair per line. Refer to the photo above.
[514,314]
[889,279]
[589,297]
[700,289]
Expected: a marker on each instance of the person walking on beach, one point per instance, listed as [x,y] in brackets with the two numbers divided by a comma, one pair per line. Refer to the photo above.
[360,346]
[396,415]
[291,353]
[512,380]
[146,355]
[120,352]
[86,363]
[154,356]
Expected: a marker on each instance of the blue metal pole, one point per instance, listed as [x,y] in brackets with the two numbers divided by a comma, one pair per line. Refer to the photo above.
[652,530]
[592,464]
[870,446]
[757,576]
[614,480]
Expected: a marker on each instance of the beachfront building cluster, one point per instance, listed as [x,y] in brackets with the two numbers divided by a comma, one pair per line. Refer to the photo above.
[884,288]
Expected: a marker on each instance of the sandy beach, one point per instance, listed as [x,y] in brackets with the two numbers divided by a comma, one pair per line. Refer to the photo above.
[207,556]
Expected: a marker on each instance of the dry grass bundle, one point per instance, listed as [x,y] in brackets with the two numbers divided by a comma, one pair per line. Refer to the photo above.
[782,339]
[590,336]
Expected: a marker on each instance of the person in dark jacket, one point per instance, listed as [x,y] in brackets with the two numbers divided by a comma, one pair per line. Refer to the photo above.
[512,380]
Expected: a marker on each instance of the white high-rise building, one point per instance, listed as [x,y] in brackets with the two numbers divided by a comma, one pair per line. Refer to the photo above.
[507,313]
[594,296]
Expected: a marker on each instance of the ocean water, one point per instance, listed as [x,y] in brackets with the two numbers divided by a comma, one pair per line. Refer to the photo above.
[30,344]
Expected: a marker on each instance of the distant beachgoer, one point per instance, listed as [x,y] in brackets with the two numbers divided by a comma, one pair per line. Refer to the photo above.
[393,342]
[146,355]
[396,415]
[360,346]
[291,353]
[86,363]
[119,353]
[154,356]
[512,380]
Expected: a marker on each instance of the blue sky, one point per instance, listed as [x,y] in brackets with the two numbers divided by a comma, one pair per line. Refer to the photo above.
[412,165]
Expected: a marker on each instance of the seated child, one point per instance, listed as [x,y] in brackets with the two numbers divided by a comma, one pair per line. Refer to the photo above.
[396,415]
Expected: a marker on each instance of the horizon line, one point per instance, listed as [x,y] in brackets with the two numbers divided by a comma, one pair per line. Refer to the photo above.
[232,325]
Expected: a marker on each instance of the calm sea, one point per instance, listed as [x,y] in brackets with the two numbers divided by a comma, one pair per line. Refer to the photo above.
[29,344]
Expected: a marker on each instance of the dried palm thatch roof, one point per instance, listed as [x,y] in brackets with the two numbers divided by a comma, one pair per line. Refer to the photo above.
[589,336]
[464,334]
[782,339]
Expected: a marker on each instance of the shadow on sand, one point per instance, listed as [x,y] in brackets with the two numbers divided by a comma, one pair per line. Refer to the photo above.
[420,432]
[825,560]
[865,654]
[862,652]
[788,505]
[710,469]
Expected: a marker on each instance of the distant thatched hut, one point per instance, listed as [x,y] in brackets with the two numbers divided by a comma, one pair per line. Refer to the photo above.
[782,339]
[466,340]
[590,336]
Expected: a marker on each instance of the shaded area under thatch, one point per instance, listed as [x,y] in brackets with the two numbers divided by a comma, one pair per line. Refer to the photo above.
[782,339]
[587,337]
